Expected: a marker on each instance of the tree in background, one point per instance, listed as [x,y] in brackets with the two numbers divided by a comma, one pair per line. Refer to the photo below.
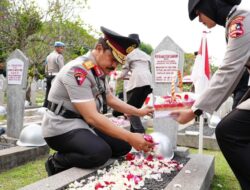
[33,30]
[147,48]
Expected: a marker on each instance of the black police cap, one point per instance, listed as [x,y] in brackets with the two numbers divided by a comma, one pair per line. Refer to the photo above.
[136,37]
[120,45]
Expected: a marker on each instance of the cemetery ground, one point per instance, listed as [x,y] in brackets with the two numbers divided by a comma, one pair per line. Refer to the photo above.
[34,171]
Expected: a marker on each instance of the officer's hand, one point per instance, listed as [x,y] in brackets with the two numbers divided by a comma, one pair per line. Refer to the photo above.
[137,141]
[183,116]
[147,110]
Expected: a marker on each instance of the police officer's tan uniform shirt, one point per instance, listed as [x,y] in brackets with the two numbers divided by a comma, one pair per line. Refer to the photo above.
[74,83]
[55,62]
[230,72]
[138,63]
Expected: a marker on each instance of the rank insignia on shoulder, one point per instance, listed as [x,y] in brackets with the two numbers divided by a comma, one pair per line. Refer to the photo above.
[80,75]
[88,65]
[236,28]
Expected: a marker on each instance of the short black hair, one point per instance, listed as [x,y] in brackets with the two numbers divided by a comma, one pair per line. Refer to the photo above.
[102,41]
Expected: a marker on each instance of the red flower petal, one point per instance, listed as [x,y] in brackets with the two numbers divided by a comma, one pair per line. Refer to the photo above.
[148,138]
[150,157]
[98,186]
[130,176]
[130,156]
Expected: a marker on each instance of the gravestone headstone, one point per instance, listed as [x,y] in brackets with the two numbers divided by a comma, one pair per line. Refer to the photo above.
[167,59]
[2,89]
[33,89]
[17,71]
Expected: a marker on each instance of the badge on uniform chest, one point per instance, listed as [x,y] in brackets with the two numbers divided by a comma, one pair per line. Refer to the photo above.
[80,75]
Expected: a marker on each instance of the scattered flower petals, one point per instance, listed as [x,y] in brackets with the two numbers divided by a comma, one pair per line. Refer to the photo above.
[129,174]
[177,185]
[187,171]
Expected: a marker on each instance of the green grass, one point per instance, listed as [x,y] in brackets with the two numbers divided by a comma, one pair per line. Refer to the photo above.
[23,175]
[40,97]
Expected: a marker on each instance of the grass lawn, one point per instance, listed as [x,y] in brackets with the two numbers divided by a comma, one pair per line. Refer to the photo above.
[23,175]
[34,171]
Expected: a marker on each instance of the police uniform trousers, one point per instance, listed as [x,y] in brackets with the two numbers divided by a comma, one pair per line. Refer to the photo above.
[81,148]
[136,97]
[233,136]
[117,113]
[48,86]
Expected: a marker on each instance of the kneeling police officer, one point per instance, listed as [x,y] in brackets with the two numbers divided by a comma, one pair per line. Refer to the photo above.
[74,124]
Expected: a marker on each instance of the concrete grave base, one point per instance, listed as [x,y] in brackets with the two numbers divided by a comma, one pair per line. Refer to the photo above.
[197,174]
[17,155]
[192,139]
[209,142]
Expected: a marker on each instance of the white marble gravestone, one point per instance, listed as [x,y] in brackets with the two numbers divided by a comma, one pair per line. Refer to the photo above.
[2,89]
[167,59]
[17,71]
[33,89]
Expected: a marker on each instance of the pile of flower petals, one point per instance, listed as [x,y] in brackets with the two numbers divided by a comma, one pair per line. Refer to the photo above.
[119,121]
[129,174]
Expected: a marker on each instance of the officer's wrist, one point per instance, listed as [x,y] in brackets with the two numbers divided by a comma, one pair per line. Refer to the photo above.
[197,111]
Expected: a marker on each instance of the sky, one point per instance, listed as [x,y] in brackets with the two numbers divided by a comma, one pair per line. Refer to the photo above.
[154,20]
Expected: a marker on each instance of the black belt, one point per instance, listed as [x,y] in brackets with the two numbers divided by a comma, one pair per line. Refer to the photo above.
[63,112]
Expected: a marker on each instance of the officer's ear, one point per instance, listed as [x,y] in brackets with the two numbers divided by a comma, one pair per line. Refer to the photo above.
[99,47]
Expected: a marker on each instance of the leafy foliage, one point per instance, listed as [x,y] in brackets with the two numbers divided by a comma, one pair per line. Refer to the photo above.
[189,62]
[24,25]
[147,48]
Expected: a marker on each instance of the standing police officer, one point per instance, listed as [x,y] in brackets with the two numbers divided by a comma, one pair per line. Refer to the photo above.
[233,132]
[54,62]
[74,124]
[140,82]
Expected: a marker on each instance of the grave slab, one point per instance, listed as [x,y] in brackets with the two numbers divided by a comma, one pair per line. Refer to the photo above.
[17,155]
[201,167]
[209,142]
[188,136]
[197,174]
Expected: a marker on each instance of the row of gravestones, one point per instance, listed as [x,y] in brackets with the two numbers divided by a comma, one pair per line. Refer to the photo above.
[33,86]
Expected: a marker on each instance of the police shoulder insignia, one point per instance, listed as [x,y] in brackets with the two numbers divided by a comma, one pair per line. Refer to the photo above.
[88,64]
[236,28]
[130,48]
[80,75]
